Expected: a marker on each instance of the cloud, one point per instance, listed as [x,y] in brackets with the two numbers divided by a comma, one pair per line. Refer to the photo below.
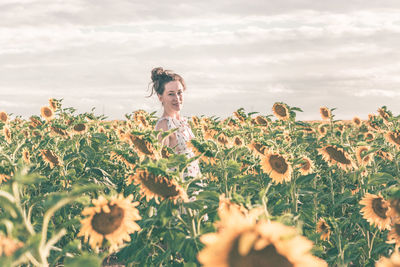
[231,53]
[377,93]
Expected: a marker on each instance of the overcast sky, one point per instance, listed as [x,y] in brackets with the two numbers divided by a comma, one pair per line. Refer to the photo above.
[231,53]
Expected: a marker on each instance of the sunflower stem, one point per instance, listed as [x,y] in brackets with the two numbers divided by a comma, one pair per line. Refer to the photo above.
[332,192]
[371,244]
[294,194]
[49,213]
[265,200]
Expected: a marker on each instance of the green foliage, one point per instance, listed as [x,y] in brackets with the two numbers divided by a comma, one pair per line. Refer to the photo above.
[42,201]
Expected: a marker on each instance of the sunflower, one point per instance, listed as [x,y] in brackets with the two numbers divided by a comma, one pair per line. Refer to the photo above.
[26,134]
[281,111]
[384,155]
[35,122]
[4,117]
[36,133]
[376,210]
[340,126]
[357,121]
[232,124]
[144,147]
[50,158]
[140,118]
[393,261]
[322,130]
[237,141]
[385,115]
[226,206]
[393,138]
[394,211]
[393,236]
[7,134]
[366,160]
[101,129]
[306,166]
[260,120]
[193,148]
[4,177]
[79,128]
[165,152]
[223,140]
[373,125]
[369,136]
[242,241]
[257,148]
[196,121]
[334,155]
[209,134]
[276,166]
[325,113]
[53,104]
[155,186]
[113,220]
[241,118]
[47,113]
[25,156]
[121,158]
[324,229]
[121,134]
[58,131]
[8,246]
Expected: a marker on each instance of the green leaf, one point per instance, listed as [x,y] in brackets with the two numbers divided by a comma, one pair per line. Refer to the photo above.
[380,178]
[190,264]
[86,260]
[305,179]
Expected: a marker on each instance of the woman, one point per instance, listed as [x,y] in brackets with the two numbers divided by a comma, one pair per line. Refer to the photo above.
[170,87]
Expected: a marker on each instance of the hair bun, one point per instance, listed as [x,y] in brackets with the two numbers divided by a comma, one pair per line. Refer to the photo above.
[157,74]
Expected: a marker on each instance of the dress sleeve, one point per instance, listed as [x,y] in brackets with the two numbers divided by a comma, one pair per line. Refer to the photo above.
[168,122]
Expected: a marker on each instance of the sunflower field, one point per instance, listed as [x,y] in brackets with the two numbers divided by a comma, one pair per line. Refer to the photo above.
[80,190]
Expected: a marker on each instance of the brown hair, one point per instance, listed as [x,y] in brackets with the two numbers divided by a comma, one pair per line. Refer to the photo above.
[160,77]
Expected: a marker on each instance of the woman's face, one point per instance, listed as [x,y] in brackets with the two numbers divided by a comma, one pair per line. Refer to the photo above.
[172,98]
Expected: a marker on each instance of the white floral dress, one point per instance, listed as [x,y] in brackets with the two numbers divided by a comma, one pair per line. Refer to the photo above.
[183,134]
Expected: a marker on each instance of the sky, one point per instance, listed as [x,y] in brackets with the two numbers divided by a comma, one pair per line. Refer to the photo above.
[231,53]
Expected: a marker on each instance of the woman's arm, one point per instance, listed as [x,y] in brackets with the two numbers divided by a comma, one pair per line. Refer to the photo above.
[162,125]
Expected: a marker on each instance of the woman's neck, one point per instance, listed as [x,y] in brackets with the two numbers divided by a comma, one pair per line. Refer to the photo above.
[175,115]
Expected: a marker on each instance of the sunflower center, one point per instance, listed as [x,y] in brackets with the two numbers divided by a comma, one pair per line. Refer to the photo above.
[51,157]
[337,155]
[142,145]
[3,117]
[305,165]
[278,164]
[325,113]
[397,229]
[80,127]
[395,137]
[238,142]
[159,185]
[379,207]
[106,223]
[280,110]
[47,112]
[267,257]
